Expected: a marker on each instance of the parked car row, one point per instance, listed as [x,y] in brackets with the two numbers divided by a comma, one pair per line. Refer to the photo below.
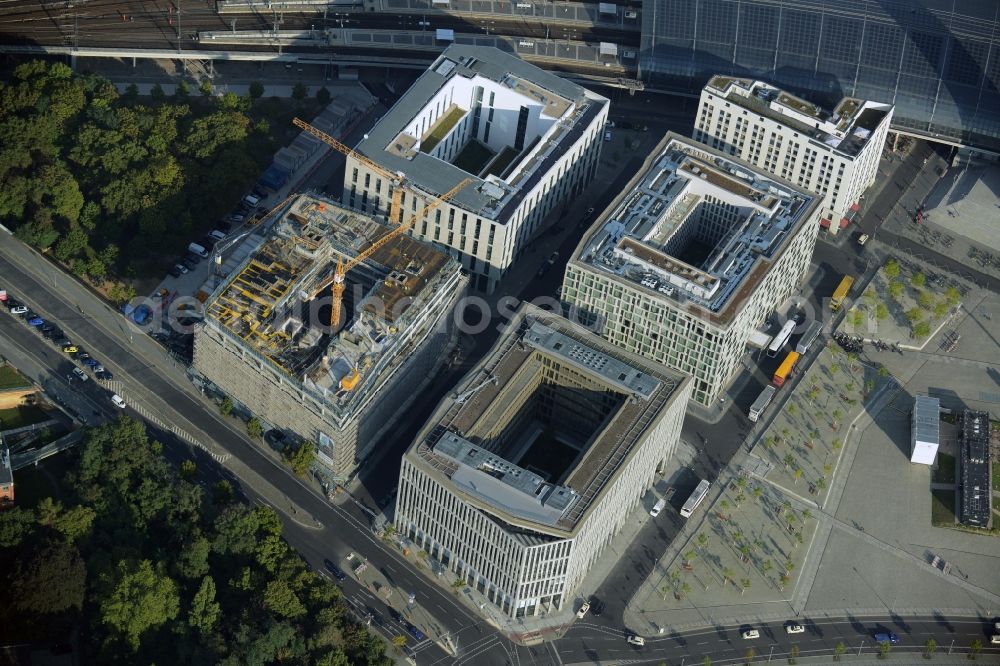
[55,335]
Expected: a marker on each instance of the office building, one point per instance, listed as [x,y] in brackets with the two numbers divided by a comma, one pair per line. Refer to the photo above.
[528,140]
[691,259]
[834,154]
[975,489]
[525,472]
[925,430]
[937,63]
[266,340]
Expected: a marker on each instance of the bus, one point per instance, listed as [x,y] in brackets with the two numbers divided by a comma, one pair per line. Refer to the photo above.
[761,403]
[696,498]
[841,293]
[780,338]
[809,337]
[785,369]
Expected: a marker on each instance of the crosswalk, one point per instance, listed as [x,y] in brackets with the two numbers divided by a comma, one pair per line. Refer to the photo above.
[119,388]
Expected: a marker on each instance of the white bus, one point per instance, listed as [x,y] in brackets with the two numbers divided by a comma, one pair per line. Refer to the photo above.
[779,340]
[761,403]
[696,498]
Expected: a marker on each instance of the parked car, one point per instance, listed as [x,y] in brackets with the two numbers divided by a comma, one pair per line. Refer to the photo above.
[584,609]
[337,573]
[174,272]
[607,136]
[596,605]
[104,375]
[260,193]
[36,321]
[416,633]
[886,637]
[633,639]
[90,362]
[80,374]
[53,333]
[83,356]
[795,628]
[118,400]
[192,258]
[549,263]
[180,268]
[18,309]
[70,349]
[750,634]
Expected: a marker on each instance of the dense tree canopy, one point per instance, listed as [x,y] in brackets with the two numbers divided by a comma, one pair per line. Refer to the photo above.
[114,184]
[152,569]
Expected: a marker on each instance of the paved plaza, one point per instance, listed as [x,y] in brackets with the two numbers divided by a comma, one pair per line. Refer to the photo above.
[868,544]
[964,202]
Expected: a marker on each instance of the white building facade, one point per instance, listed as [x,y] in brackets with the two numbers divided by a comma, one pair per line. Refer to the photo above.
[528,140]
[523,541]
[832,154]
[635,279]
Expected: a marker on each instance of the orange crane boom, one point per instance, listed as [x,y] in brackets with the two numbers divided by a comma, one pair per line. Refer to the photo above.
[339,273]
[395,181]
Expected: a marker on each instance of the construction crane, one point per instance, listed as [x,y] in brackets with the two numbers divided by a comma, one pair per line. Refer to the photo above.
[395,181]
[337,279]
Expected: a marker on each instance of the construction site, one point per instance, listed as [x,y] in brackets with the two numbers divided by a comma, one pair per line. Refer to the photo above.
[326,329]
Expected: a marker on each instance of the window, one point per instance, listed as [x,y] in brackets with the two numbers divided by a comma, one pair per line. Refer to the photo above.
[354,175]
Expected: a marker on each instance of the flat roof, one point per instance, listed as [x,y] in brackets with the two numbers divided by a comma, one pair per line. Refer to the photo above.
[532,342]
[266,305]
[639,236]
[390,146]
[846,129]
[975,477]
[927,419]
[6,473]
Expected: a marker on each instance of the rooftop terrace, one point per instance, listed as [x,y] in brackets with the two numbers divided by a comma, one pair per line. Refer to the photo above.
[462,441]
[697,227]
[266,303]
[846,129]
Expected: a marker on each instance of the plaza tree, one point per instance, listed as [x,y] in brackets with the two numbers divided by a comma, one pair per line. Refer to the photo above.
[930,647]
[914,315]
[881,312]
[918,280]
[744,585]
[975,647]
[921,330]
[895,289]
[891,269]
[838,650]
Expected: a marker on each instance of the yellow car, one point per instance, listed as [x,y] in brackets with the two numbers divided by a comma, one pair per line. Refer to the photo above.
[70,349]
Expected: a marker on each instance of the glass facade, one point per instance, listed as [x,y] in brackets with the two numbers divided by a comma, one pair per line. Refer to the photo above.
[937,61]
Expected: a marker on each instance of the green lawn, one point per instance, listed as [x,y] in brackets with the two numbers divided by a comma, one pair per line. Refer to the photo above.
[441,129]
[10,378]
[473,157]
[17,417]
[945,473]
[943,508]
[506,157]
[996,477]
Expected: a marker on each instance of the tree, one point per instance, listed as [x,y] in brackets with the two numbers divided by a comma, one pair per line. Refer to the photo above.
[881,312]
[793,653]
[192,561]
[399,641]
[783,581]
[883,649]
[156,92]
[838,650]
[748,657]
[744,585]
[300,458]
[739,499]
[281,600]
[941,309]
[895,290]
[821,483]
[891,269]
[792,410]
[205,88]
[798,475]
[834,369]
[952,295]
[256,90]
[766,566]
[914,315]
[706,661]
[788,460]
[188,470]
[918,280]
[727,575]
[856,317]
[926,300]
[300,91]
[689,557]
[975,647]
[921,330]
[205,610]
[182,91]
[139,599]
[323,96]
[930,647]
[51,581]
[254,428]
[757,493]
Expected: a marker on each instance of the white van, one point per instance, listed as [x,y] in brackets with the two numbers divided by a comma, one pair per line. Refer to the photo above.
[198,249]
[657,508]
[217,235]
[118,400]
[251,200]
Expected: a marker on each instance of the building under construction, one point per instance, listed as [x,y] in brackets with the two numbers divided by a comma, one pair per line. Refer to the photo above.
[267,342]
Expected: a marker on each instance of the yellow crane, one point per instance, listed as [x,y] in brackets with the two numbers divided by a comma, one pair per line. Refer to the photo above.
[396,182]
[336,281]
